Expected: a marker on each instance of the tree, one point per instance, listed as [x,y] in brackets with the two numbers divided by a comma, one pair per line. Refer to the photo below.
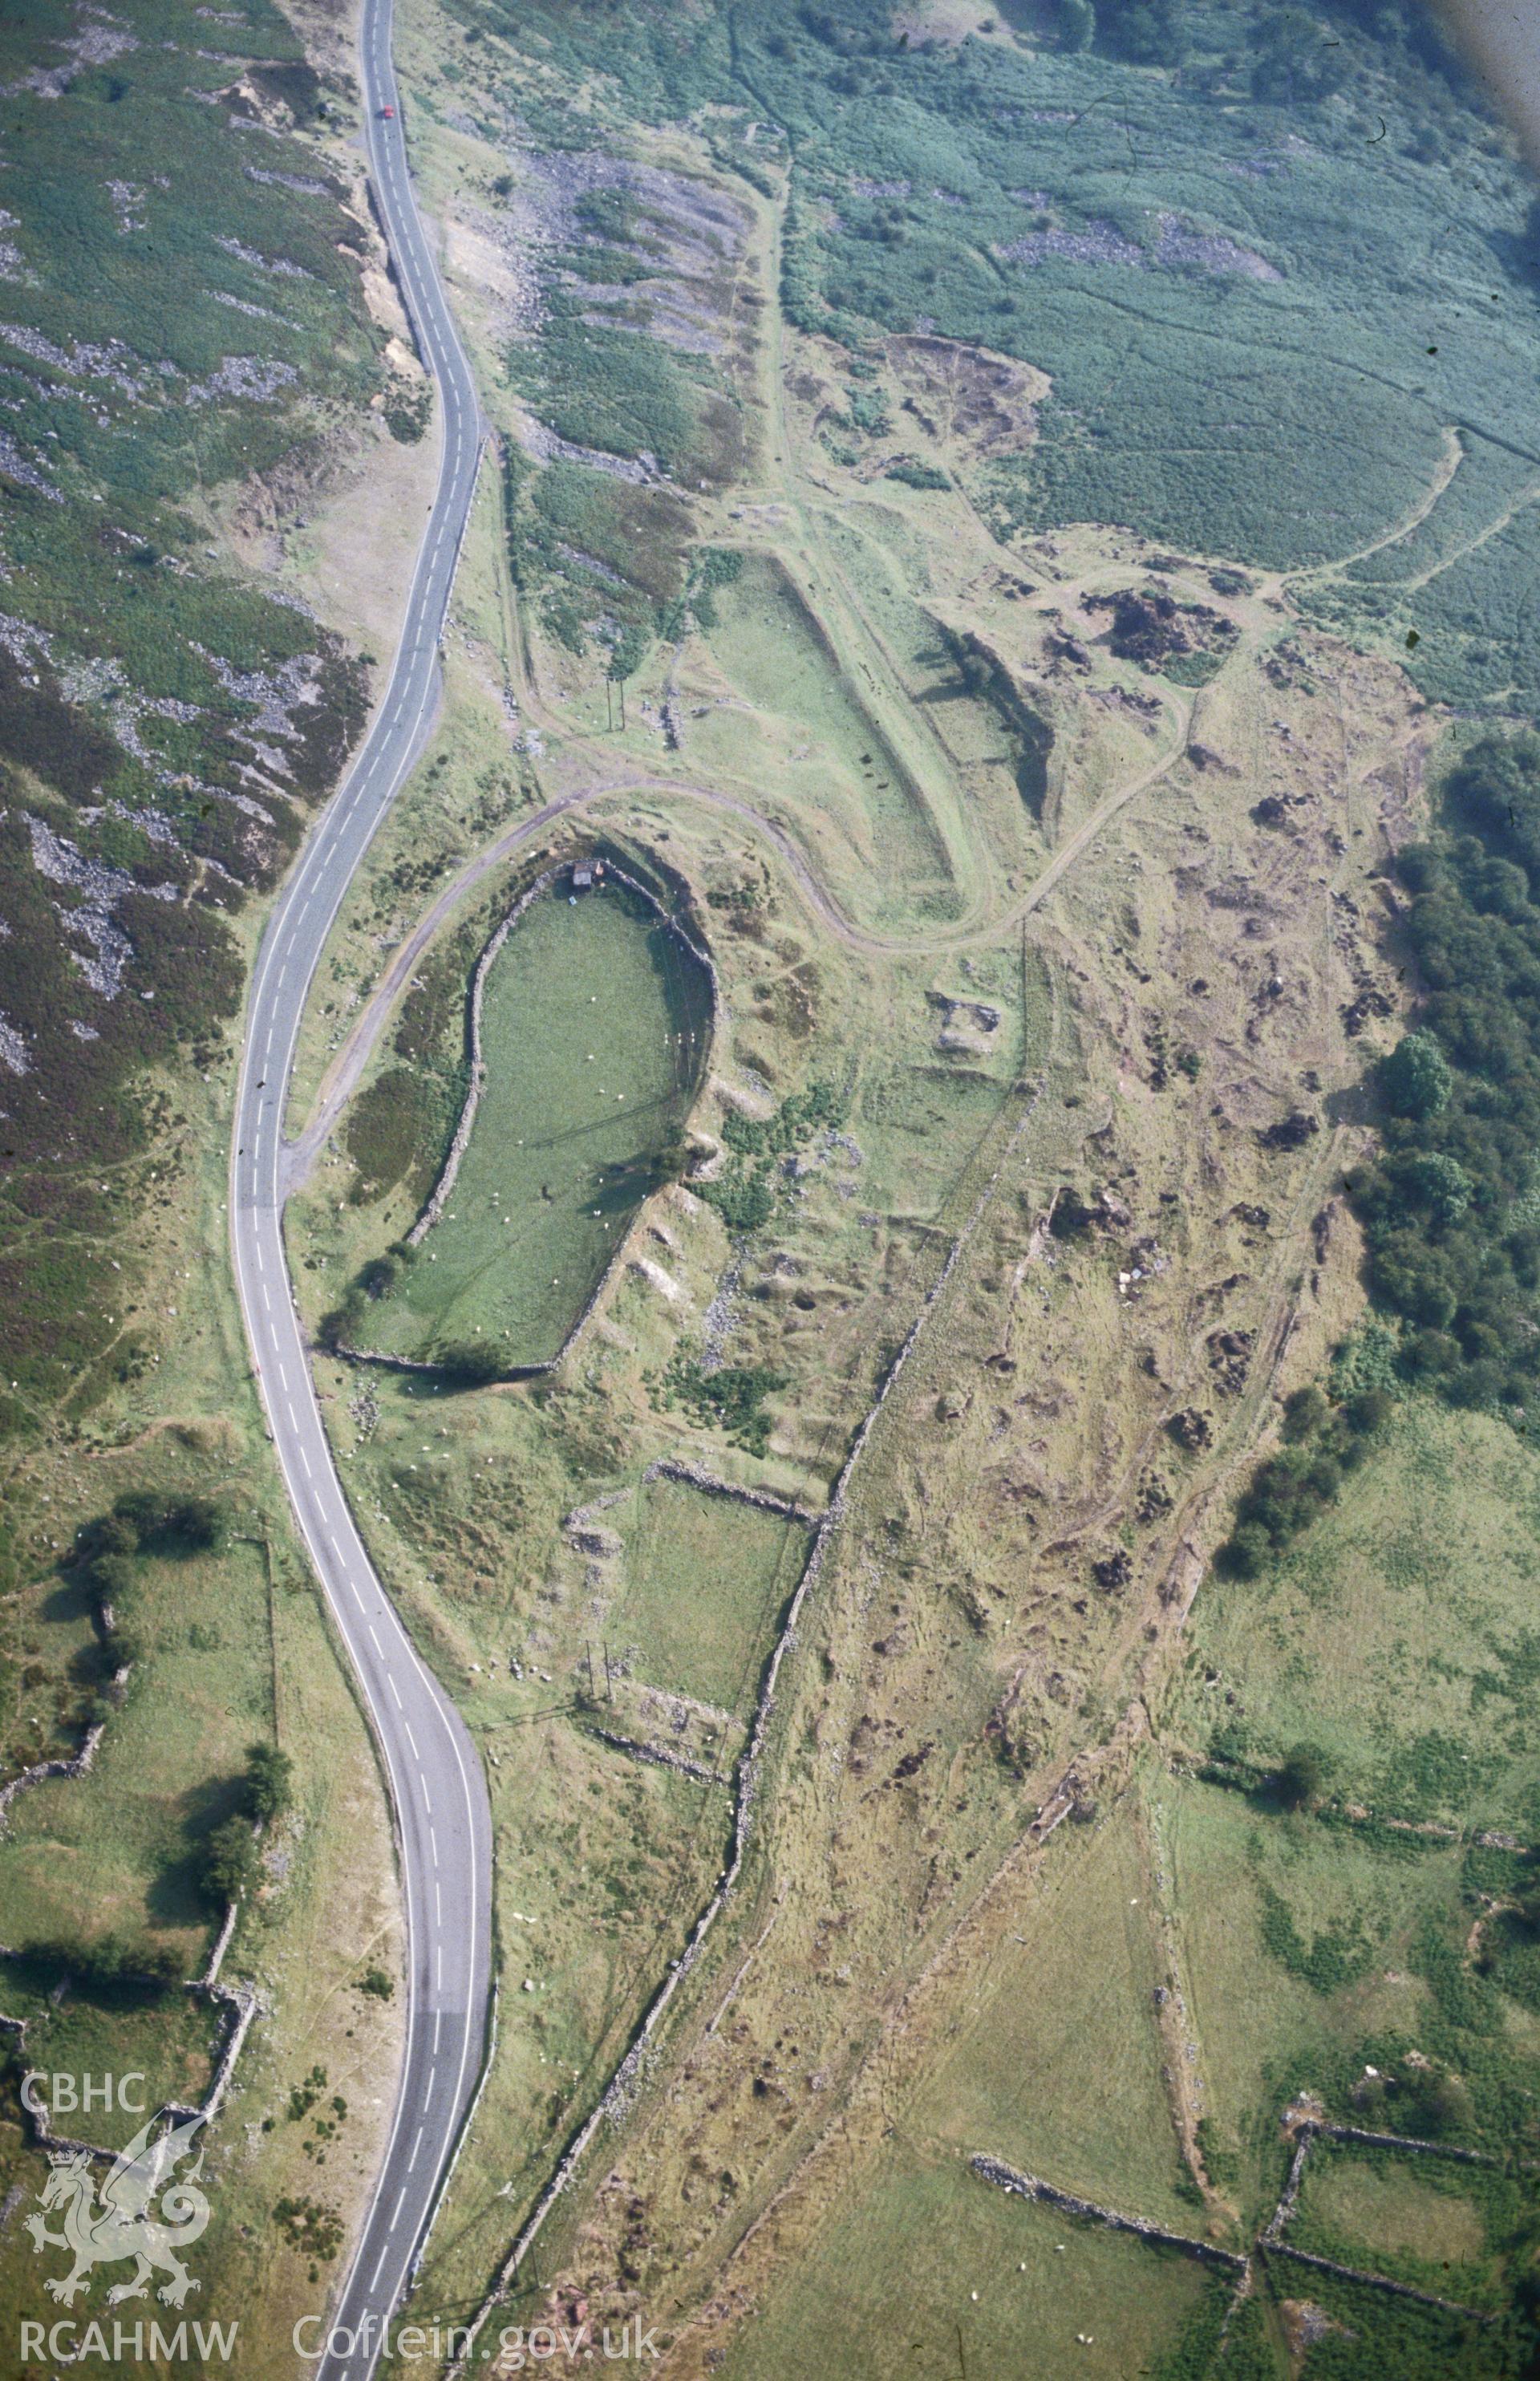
[671,1159]
[337,1326]
[1497,786]
[1416,1078]
[1147,32]
[377,1276]
[627,652]
[1526,1902]
[269,1780]
[109,1534]
[191,1525]
[1304,1412]
[1293,66]
[1245,1551]
[1441,1184]
[1077,25]
[1439,2104]
[1408,1275]
[196,1526]
[1368,1410]
[228,1871]
[473,1362]
[111,1578]
[1303,1778]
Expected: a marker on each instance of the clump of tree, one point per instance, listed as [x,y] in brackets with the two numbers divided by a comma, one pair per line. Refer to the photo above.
[163,1525]
[794,1122]
[1075,22]
[914,473]
[671,1160]
[472,1363]
[743,1195]
[731,1399]
[108,1965]
[269,1780]
[1322,1443]
[1302,1777]
[1451,1248]
[1144,33]
[339,1327]
[228,1867]
[107,1551]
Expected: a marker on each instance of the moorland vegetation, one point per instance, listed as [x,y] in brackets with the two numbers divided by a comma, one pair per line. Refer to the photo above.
[979,190]
[183,308]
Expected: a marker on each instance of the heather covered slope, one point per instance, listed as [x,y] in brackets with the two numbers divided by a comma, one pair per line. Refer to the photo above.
[182,309]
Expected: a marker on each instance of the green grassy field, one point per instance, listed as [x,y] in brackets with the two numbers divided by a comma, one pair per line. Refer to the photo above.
[1398,1634]
[164,2034]
[122,1843]
[1438,2227]
[704,1577]
[926,2270]
[1302,2003]
[227,1654]
[1057,2064]
[841,759]
[593,1031]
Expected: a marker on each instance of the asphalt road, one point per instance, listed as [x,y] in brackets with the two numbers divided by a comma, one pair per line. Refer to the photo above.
[437,1786]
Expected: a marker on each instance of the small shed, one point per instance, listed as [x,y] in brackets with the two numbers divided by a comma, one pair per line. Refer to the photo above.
[582,877]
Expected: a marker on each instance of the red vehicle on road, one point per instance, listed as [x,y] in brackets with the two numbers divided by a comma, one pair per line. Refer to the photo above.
[388,113]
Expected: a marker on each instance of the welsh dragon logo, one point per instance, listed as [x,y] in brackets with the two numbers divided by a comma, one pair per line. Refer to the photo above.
[123,2219]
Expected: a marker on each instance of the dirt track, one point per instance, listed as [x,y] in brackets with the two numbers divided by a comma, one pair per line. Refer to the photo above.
[341,1077]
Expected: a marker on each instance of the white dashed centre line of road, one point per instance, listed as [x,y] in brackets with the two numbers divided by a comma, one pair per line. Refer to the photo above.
[298,929]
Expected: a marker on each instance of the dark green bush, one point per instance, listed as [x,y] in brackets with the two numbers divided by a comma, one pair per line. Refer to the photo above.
[228,1868]
[269,1780]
